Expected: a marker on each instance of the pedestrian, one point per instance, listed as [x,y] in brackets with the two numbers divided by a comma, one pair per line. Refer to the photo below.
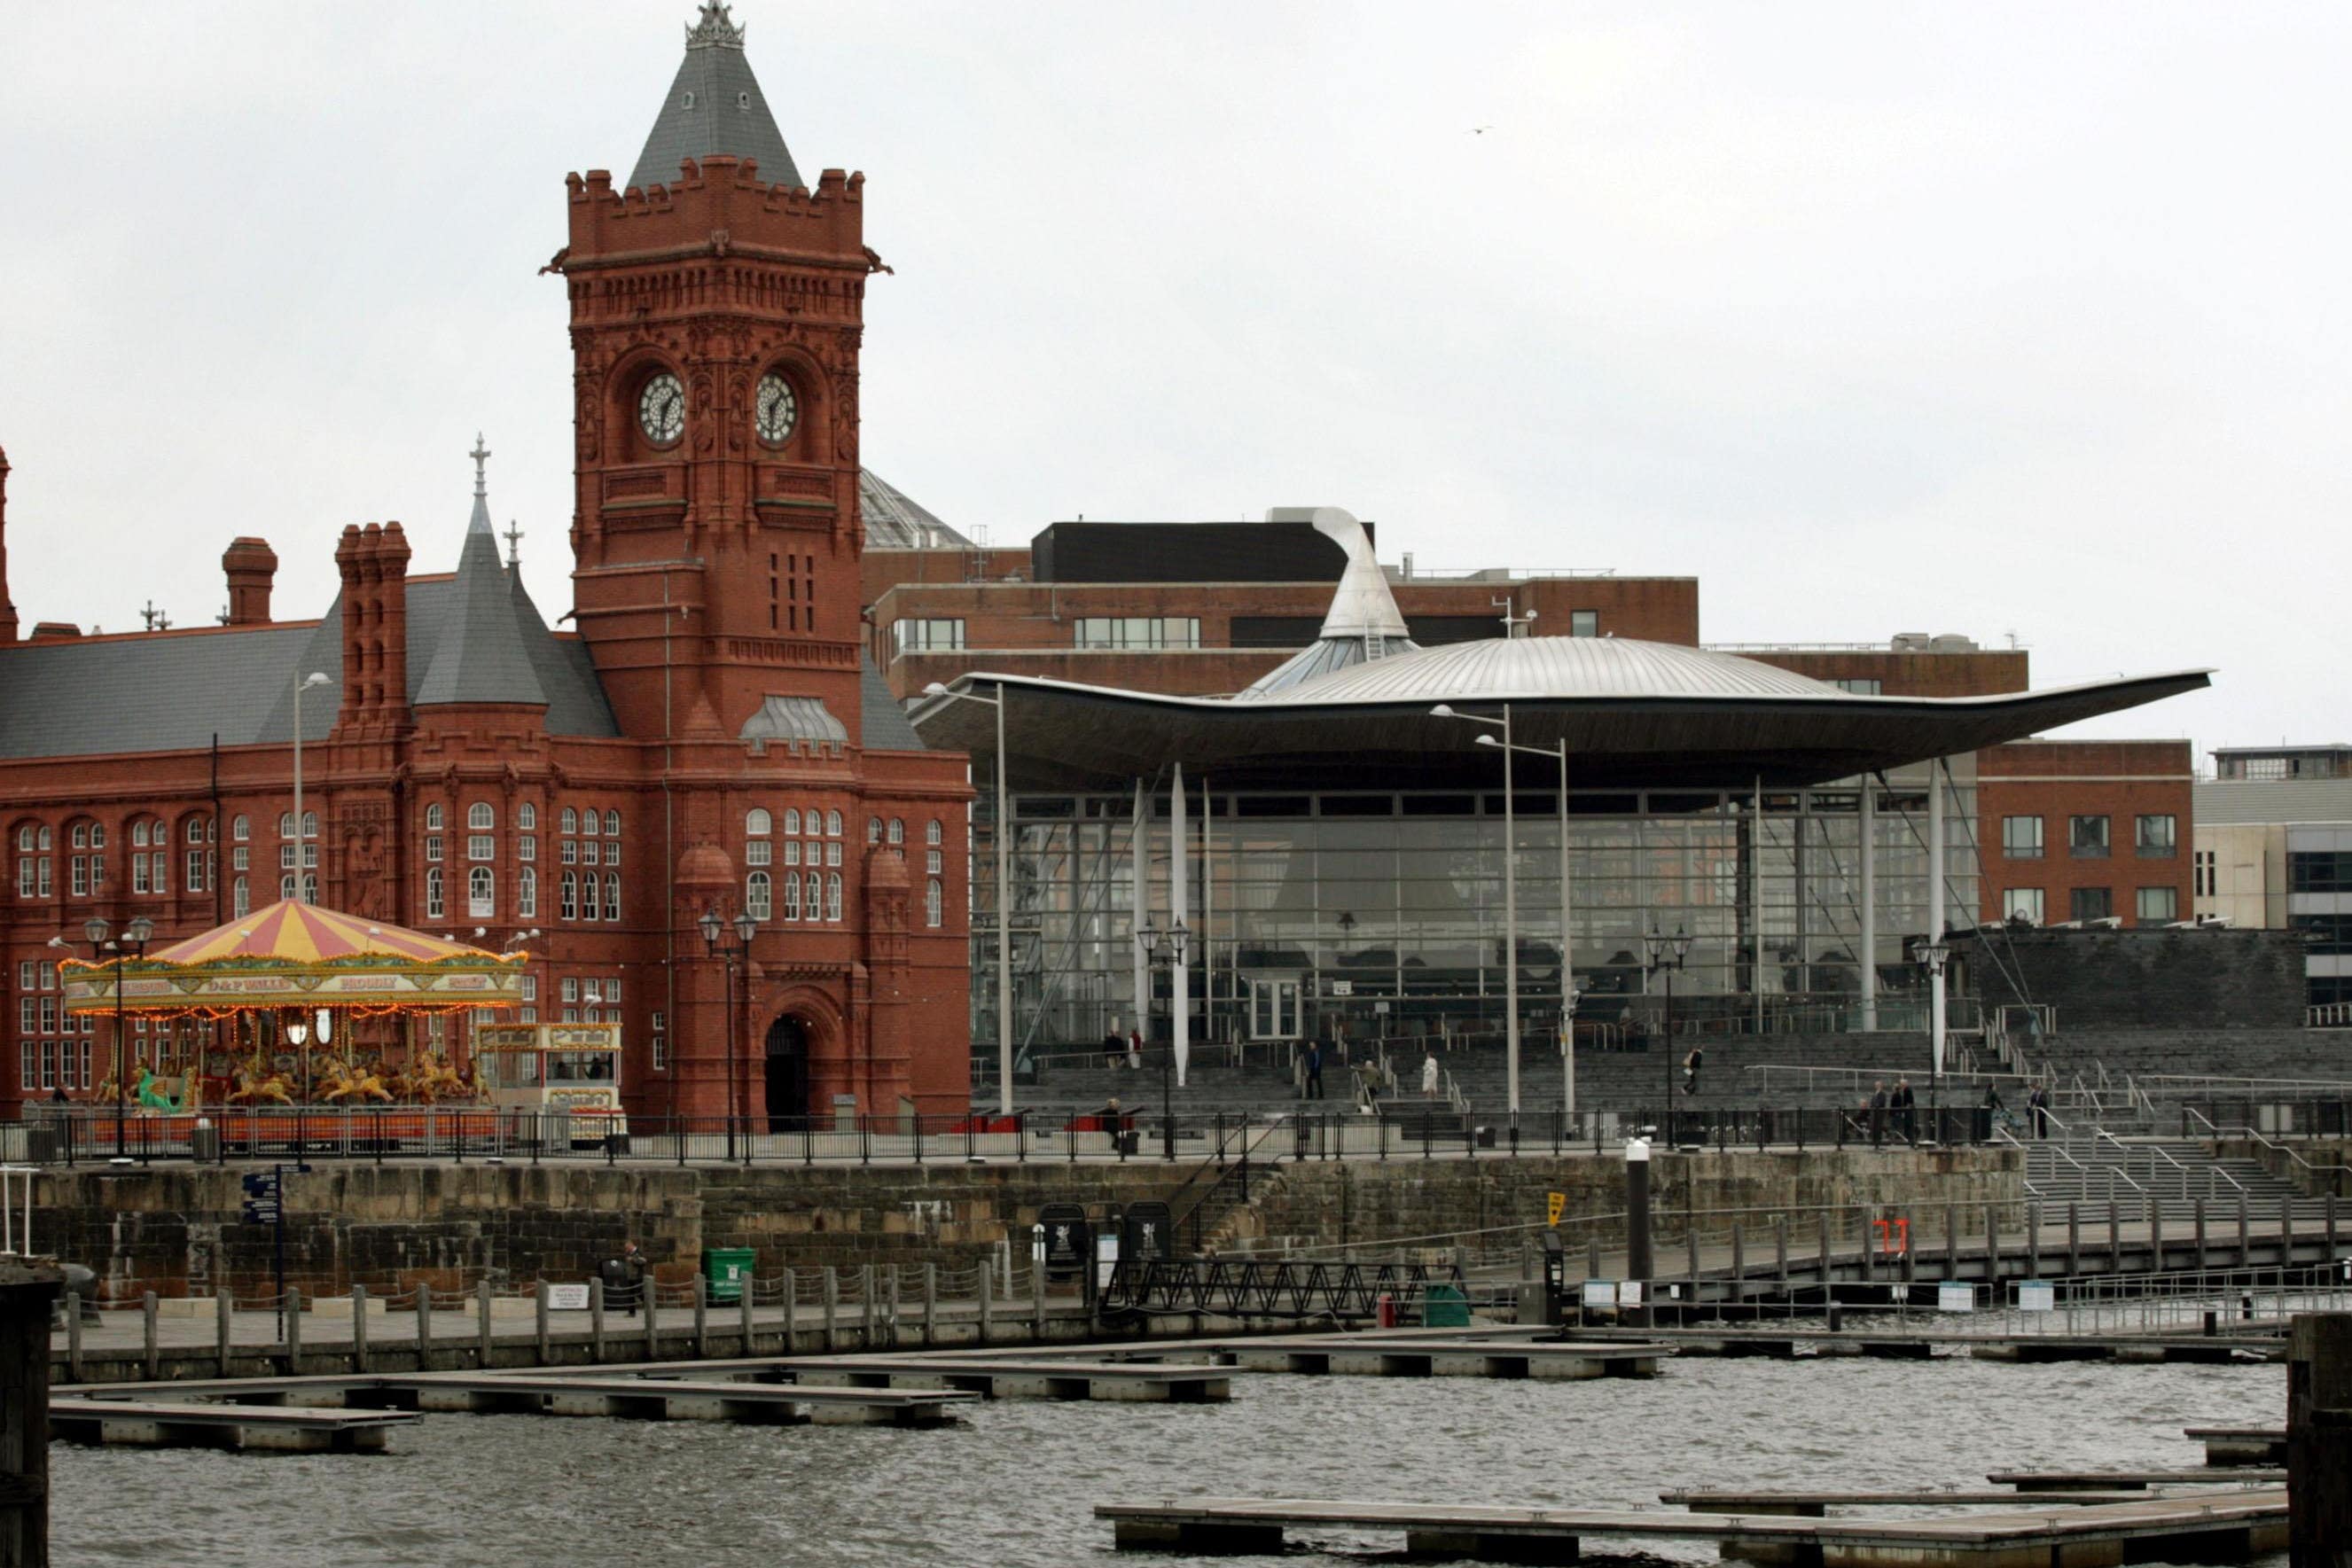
[1428,1076]
[1905,1116]
[1114,1046]
[2037,1103]
[1986,1112]
[57,1096]
[1135,1051]
[1878,1114]
[1691,1065]
[1368,1084]
[634,1269]
[1314,1070]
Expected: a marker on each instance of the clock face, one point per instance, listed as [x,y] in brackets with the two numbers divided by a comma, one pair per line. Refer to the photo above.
[661,410]
[778,409]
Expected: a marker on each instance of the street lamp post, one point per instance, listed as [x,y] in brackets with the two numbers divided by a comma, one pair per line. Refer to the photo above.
[301,843]
[1666,955]
[1003,837]
[1164,947]
[1931,955]
[131,944]
[1510,908]
[1567,994]
[713,930]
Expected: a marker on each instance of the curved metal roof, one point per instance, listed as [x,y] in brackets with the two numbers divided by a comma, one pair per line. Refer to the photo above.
[1513,668]
[1638,715]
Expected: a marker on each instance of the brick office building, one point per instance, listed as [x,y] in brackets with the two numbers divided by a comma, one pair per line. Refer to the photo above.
[709,738]
[2070,829]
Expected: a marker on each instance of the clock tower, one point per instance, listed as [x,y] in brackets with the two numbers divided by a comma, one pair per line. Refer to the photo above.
[716,306]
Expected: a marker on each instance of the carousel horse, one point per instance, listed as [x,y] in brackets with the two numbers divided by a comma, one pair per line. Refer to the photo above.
[353,1084]
[256,1084]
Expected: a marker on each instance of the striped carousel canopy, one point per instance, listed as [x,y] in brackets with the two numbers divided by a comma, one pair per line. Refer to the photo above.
[297,955]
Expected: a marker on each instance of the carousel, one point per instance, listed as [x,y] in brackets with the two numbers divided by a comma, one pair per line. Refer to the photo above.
[294,1008]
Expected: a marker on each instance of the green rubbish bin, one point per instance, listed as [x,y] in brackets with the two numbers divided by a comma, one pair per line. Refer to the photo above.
[1444,1307]
[728,1271]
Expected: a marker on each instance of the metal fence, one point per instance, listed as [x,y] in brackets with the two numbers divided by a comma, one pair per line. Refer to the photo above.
[1400,1130]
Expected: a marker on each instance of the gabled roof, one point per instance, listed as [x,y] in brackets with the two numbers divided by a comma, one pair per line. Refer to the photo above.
[714,106]
[480,655]
[894,521]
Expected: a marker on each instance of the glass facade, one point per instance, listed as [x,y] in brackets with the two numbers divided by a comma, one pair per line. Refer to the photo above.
[1382,913]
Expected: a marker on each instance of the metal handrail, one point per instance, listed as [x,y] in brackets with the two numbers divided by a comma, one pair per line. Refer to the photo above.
[2157,1151]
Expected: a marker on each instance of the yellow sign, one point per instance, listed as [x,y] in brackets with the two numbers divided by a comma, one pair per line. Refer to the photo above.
[1555,1204]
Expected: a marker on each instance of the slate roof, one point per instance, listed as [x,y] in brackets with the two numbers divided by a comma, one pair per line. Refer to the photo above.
[475,636]
[714,106]
[883,724]
[480,655]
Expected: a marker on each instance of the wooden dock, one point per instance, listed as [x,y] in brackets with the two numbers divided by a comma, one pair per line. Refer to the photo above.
[1386,1356]
[2233,1446]
[1785,1341]
[1155,1383]
[145,1423]
[2215,1527]
[1816,1504]
[2125,1480]
[549,1393]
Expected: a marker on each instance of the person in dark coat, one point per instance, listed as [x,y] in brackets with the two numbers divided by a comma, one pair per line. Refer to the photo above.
[1907,1114]
[1314,1070]
[1691,1064]
[634,1269]
[2037,1103]
[1878,1114]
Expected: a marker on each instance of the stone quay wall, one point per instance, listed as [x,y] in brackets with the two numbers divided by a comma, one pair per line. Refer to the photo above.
[176,1229]
[1359,1204]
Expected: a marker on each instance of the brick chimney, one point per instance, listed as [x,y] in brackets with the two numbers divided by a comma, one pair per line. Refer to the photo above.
[250,565]
[373,564]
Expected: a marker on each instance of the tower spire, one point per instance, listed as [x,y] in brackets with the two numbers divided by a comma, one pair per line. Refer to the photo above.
[715,108]
[480,523]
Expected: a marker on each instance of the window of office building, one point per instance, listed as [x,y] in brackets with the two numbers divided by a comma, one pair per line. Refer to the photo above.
[2202,868]
[2156,837]
[926,636]
[2025,904]
[2087,837]
[2158,905]
[2091,903]
[2021,838]
[1861,685]
[1139,632]
[1584,623]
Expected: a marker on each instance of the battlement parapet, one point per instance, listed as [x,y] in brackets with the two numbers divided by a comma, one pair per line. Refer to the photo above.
[719,201]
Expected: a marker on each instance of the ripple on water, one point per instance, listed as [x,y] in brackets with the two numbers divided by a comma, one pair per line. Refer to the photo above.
[1015,1484]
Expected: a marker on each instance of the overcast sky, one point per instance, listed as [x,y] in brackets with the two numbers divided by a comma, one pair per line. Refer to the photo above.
[1875,319]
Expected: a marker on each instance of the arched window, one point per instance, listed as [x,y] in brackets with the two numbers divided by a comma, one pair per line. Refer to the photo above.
[791,897]
[588,895]
[931,831]
[481,893]
[25,836]
[873,829]
[432,819]
[46,843]
[815,821]
[139,834]
[588,819]
[792,820]
[79,838]
[833,896]
[934,901]
[527,894]
[286,891]
[195,829]
[240,830]
[897,831]
[756,893]
[611,825]
[434,906]
[833,824]
[527,816]
[240,899]
[310,824]
[612,895]
[756,824]
[570,820]
[480,818]
[310,888]
[569,893]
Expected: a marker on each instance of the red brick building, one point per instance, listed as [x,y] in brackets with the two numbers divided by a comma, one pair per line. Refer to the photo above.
[709,738]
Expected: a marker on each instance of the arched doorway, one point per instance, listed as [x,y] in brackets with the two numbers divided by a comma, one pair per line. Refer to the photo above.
[788,1074]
